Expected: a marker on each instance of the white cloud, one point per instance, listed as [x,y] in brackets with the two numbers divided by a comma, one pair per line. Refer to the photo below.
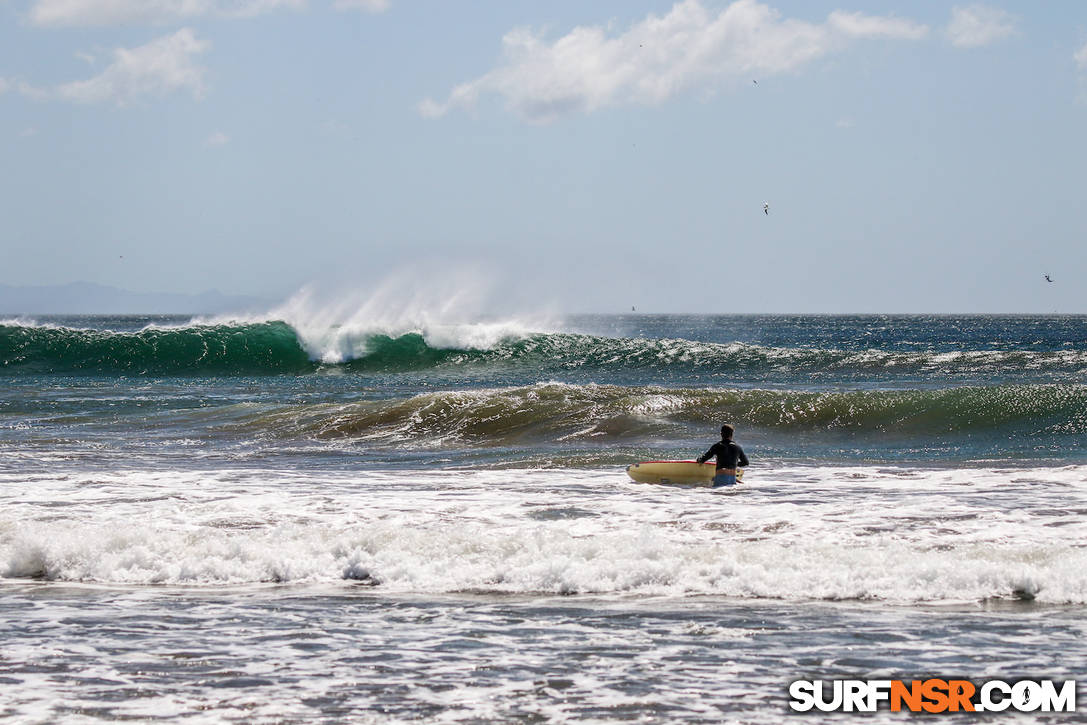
[32,92]
[22,87]
[372,6]
[689,47]
[1081,58]
[978,25]
[116,12]
[858,25]
[217,139]
[162,66]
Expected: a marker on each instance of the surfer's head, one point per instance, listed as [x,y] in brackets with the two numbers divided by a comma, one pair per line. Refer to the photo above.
[726,432]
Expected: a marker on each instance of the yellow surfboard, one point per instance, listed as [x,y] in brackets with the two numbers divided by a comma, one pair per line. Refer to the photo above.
[675,473]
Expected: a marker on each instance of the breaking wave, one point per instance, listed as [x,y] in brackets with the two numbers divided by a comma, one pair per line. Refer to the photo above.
[276,347]
[924,537]
[549,412]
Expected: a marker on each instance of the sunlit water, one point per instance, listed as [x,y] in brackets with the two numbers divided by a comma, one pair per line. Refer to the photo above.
[455,539]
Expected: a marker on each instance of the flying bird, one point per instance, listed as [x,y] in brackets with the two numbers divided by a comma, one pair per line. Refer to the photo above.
[1047,279]
[755,82]
[766,208]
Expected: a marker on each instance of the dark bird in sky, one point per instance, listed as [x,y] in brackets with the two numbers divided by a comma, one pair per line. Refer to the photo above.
[1047,279]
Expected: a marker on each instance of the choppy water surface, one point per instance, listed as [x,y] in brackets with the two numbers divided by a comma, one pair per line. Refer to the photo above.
[330,655]
[273,521]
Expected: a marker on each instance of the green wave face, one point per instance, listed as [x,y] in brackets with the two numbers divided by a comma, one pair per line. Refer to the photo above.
[555,412]
[562,352]
[276,348]
[270,347]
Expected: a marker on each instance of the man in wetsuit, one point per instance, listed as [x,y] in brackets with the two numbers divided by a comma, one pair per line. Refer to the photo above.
[729,455]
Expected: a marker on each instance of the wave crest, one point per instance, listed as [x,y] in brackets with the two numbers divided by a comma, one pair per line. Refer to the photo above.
[276,346]
[270,347]
[555,412]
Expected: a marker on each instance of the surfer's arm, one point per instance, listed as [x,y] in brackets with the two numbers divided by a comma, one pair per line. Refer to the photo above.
[708,454]
[743,457]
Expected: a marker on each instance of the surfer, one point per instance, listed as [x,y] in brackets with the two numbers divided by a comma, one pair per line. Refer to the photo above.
[729,455]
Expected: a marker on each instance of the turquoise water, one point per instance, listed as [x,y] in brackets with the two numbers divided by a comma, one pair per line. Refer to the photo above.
[602,390]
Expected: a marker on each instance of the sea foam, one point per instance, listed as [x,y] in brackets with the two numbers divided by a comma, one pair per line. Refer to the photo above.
[889,534]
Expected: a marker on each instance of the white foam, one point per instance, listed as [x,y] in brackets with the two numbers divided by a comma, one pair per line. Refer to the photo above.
[793,533]
[23,321]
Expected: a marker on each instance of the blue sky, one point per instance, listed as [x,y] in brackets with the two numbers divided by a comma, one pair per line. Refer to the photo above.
[916,156]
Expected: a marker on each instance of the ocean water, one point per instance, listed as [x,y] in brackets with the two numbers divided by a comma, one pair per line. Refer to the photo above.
[320,518]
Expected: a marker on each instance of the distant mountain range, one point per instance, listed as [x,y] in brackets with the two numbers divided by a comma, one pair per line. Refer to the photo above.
[89,298]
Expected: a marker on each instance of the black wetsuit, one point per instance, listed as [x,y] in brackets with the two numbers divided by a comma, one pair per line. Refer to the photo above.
[729,455]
